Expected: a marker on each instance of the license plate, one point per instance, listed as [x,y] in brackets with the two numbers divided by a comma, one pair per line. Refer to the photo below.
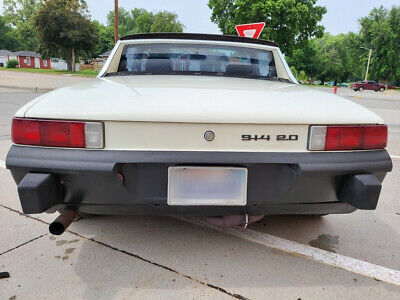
[219,186]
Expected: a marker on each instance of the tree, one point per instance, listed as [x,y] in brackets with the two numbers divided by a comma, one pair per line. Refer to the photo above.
[126,19]
[290,23]
[64,29]
[330,58]
[380,31]
[139,20]
[166,21]
[306,60]
[105,41]
[7,36]
[19,14]
[356,56]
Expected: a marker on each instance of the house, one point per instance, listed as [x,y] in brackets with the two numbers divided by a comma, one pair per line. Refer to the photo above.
[30,59]
[105,55]
[26,59]
[4,57]
[61,64]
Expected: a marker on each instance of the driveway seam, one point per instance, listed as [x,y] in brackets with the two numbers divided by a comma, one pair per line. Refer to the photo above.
[220,289]
[23,244]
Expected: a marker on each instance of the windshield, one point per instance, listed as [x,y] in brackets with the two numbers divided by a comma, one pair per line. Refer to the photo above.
[196,59]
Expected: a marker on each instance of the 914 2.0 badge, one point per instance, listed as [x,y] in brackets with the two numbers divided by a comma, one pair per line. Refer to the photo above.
[267,137]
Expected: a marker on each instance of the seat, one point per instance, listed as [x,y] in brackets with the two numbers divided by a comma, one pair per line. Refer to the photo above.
[122,67]
[158,66]
[241,70]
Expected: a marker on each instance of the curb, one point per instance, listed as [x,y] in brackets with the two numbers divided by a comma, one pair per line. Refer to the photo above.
[34,89]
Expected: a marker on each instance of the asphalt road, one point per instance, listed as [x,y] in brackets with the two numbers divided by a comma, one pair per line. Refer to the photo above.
[159,257]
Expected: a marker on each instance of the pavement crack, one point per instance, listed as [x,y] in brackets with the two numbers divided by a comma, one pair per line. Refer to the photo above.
[23,244]
[24,215]
[220,289]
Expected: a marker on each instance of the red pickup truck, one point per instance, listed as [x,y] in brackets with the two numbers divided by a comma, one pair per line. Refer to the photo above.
[368,85]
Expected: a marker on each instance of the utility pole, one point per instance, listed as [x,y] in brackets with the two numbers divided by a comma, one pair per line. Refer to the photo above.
[116,34]
[369,60]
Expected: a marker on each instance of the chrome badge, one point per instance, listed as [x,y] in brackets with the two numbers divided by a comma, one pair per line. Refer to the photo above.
[209,135]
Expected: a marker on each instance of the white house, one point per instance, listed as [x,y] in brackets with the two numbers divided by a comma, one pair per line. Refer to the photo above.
[4,57]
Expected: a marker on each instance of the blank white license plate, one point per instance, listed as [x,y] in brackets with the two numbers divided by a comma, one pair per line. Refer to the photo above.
[207,186]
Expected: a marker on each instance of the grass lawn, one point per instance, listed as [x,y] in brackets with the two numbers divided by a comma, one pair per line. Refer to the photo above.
[89,73]
[317,85]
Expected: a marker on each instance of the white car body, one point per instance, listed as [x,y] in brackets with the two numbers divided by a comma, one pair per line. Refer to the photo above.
[167,115]
[158,104]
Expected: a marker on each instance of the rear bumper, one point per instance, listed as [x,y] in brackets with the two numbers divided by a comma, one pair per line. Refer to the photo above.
[278,183]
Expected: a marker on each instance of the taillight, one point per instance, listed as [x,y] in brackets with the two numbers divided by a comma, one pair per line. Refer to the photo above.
[333,138]
[56,133]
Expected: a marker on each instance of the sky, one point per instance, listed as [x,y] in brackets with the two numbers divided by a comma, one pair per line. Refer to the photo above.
[342,15]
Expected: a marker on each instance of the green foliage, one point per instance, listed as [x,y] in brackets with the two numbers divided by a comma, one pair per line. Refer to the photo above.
[139,20]
[8,38]
[306,60]
[105,41]
[344,57]
[88,73]
[12,64]
[380,30]
[165,21]
[290,23]
[65,29]
[330,58]
[20,15]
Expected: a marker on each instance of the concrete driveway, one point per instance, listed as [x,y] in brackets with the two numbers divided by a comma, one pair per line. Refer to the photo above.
[290,257]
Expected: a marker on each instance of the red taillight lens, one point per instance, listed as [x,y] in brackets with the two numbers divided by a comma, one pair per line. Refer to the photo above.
[55,133]
[331,138]
[375,137]
[344,138]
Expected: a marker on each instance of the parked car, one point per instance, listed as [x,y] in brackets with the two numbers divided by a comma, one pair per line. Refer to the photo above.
[368,85]
[196,124]
[393,87]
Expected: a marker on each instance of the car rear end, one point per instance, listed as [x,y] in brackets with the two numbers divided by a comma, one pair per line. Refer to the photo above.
[217,128]
[174,168]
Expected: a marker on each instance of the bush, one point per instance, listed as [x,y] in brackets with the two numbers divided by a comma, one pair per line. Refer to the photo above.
[12,63]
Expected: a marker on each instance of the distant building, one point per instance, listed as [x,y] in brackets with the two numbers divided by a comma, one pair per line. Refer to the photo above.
[26,59]
[4,57]
[30,59]
[61,64]
[105,55]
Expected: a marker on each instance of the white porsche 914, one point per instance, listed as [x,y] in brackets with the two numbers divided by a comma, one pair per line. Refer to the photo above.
[196,124]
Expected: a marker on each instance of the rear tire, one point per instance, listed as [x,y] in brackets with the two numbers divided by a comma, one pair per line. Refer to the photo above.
[382,89]
[360,89]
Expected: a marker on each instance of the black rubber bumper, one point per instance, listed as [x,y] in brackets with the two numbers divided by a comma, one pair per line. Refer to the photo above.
[135,182]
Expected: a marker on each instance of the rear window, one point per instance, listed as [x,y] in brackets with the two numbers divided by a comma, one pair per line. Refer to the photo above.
[196,59]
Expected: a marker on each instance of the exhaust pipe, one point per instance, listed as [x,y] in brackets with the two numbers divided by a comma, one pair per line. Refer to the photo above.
[61,224]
